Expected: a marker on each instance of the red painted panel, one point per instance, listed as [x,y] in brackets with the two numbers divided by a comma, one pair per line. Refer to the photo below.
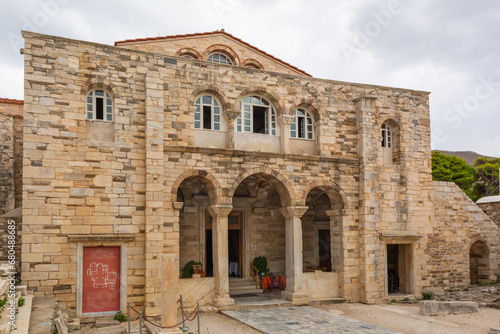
[101,279]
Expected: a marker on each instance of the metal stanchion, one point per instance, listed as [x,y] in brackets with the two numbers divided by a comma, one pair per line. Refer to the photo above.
[183,328]
[198,315]
[128,316]
[140,322]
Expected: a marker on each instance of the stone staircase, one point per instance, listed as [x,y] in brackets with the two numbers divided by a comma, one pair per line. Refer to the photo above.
[242,286]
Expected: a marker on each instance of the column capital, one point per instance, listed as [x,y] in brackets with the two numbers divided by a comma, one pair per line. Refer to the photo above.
[217,210]
[285,120]
[233,114]
[178,205]
[296,211]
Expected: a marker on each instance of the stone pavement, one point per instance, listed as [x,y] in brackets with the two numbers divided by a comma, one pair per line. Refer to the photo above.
[42,315]
[303,319]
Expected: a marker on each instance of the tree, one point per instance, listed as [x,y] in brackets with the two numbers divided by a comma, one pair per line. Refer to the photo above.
[487,177]
[454,169]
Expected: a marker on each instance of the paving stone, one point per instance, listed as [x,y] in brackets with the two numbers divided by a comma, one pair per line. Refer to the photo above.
[305,320]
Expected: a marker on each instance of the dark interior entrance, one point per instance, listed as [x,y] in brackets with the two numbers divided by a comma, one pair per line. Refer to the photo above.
[399,268]
[325,255]
[235,244]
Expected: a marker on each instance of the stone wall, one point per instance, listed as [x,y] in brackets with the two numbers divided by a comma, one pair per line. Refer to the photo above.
[201,46]
[458,224]
[126,184]
[492,210]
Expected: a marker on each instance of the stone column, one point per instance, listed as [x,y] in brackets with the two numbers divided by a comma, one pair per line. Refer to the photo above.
[154,213]
[285,122]
[337,243]
[232,115]
[170,294]
[295,285]
[369,199]
[219,213]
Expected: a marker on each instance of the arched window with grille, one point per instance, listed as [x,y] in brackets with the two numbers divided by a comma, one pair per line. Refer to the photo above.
[302,126]
[208,113]
[99,105]
[257,116]
[219,58]
[386,136]
[390,142]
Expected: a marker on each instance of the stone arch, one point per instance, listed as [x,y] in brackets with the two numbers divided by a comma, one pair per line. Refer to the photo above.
[334,192]
[308,105]
[98,83]
[210,90]
[208,180]
[264,92]
[252,62]
[479,261]
[224,49]
[188,51]
[281,184]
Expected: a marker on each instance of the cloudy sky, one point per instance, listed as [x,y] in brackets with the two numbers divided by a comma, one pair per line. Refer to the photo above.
[448,47]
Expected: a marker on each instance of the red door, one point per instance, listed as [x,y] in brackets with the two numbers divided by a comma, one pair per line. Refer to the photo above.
[101,279]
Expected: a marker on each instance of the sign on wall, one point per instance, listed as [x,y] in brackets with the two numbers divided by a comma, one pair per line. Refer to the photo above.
[101,279]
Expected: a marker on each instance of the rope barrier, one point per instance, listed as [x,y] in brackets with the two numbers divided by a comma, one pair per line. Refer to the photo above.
[163,327]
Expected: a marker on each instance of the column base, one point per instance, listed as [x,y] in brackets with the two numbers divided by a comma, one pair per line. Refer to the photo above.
[297,298]
[223,300]
[175,330]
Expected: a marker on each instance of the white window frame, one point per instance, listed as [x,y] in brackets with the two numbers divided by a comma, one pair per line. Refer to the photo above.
[244,122]
[221,58]
[308,123]
[215,114]
[107,104]
[386,136]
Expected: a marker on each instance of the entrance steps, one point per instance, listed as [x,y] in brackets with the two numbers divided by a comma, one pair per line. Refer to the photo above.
[242,286]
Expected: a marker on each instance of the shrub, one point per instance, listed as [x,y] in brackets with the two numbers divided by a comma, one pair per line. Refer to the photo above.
[20,301]
[260,262]
[188,269]
[120,316]
[427,295]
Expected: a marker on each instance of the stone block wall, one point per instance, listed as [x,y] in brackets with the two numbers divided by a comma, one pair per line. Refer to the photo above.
[458,224]
[492,210]
[201,46]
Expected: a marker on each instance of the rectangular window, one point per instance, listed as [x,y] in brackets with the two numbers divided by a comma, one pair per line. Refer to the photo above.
[259,119]
[99,106]
[207,117]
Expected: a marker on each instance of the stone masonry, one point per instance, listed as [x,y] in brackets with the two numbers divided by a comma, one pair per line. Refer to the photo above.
[141,183]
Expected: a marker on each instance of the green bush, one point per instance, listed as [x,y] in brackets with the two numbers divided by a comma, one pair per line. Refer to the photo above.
[427,295]
[260,262]
[120,316]
[188,269]
[20,301]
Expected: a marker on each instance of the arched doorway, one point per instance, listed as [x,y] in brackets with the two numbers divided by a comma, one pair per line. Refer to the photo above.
[479,257]
[195,244]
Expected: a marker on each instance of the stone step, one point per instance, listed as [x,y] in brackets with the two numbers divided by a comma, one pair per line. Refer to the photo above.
[106,322]
[244,292]
[234,282]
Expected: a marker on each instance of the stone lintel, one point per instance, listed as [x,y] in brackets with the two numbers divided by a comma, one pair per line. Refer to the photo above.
[101,237]
[412,236]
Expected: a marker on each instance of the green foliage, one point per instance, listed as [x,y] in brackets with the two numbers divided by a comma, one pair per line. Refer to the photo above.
[120,316]
[260,262]
[427,295]
[20,301]
[406,299]
[451,290]
[188,269]
[453,169]
[487,177]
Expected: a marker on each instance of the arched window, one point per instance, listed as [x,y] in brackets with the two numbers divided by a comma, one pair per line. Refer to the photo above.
[250,65]
[99,105]
[386,136]
[302,125]
[208,114]
[257,116]
[219,58]
[188,56]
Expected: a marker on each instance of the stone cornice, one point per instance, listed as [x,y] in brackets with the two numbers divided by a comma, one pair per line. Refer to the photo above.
[240,153]
[101,237]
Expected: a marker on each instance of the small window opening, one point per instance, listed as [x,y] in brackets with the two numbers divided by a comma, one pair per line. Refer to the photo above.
[259,119]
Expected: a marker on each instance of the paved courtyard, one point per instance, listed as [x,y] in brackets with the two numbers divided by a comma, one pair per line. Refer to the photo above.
[302,320]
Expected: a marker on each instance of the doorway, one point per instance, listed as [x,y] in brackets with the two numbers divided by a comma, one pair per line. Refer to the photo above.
[325,254]
[398,271]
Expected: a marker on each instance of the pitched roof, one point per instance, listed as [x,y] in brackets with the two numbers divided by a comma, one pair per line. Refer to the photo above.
[11,101]
[221,32]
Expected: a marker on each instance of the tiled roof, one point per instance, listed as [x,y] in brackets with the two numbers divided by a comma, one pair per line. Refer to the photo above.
[11,101]
[221,32]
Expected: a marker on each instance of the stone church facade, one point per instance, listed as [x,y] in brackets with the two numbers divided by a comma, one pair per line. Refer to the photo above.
[156,152]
